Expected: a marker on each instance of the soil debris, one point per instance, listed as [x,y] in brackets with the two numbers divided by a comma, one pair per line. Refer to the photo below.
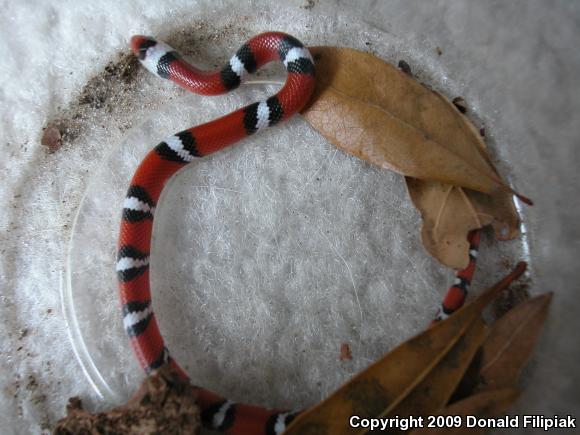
[100,91]
[309,5]
[163,404]
[405,67]
[108,94]
[460,103]
[514,295]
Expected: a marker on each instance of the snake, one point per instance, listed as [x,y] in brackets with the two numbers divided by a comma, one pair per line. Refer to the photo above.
[175,152]
[457,293]
[171,155]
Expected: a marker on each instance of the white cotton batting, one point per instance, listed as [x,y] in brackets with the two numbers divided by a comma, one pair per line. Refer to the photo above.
[267,256]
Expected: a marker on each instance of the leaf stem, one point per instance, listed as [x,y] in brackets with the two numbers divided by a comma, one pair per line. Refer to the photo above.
[523,198]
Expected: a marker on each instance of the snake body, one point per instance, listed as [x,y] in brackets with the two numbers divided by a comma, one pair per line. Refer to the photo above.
[174,153]
[456,294]
[178,150]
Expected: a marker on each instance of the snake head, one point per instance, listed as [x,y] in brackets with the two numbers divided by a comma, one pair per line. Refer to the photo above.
[140,44]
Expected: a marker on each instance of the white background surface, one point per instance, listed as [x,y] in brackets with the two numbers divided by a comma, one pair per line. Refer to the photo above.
[308,248]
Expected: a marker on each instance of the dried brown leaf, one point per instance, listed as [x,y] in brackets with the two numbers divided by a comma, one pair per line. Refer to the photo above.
[449,213]
[434,392]
[384,386]
[499,361]
[486,404]
[511,341]
[372,110]
[470,380]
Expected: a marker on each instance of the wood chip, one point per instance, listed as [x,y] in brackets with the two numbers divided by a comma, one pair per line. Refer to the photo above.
[345,352]
[51,138]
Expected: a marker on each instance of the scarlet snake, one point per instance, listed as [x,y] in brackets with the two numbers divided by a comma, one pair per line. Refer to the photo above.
[174,153]
[457,293]
[171,155]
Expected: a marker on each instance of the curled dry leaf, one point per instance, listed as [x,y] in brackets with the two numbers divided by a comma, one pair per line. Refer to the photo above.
[372,110]
[449,213]
[390,385]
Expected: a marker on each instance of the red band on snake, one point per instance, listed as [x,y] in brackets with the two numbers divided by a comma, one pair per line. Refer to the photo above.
[173,154]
